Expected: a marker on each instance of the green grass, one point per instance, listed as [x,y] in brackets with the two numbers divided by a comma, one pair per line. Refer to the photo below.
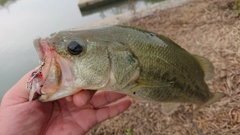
[129,131]
[236,7]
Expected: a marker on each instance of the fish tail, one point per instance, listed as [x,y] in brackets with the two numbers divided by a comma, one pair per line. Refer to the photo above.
[215,97]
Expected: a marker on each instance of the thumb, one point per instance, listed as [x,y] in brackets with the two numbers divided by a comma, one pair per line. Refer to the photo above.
[18,93]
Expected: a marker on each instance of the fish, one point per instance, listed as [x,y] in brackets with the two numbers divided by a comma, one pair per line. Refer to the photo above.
[141,64]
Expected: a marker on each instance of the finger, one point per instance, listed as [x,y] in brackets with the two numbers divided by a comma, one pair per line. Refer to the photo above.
[112,110]
[18,93]
[83,97]
[102,98]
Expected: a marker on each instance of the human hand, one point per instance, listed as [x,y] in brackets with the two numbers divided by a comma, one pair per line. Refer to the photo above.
[74,115]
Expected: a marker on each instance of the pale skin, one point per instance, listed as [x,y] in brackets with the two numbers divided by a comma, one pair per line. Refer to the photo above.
[74,115]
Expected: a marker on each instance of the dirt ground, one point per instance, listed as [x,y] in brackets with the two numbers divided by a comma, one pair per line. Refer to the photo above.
[205,27]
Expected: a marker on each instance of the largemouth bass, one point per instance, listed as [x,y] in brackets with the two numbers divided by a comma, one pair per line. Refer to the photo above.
[141,64]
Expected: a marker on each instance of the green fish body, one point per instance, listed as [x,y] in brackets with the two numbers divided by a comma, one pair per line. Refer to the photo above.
[141,64]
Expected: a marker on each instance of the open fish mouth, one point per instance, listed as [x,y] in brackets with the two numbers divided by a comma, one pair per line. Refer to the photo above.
[52,78]
[45,52]
[39,76]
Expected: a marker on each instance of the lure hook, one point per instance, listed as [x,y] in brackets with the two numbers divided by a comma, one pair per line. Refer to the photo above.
[35,74]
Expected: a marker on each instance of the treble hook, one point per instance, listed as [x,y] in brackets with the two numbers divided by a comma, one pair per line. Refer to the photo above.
[34,75]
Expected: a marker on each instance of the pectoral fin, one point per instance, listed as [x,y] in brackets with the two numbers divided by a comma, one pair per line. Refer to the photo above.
[137,99]
[168,108]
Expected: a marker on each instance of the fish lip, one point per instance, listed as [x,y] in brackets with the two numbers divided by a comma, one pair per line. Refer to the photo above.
[38,44]
[43,48]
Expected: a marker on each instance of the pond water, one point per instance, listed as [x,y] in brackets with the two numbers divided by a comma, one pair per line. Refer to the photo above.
[21,21]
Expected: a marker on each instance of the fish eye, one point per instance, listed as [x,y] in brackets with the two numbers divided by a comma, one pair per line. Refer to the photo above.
[75,48]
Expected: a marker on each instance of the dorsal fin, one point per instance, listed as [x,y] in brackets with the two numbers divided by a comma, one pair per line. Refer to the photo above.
[206,66]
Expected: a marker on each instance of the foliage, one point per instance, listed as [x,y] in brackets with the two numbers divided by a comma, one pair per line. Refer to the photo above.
[236,7]
[129,131]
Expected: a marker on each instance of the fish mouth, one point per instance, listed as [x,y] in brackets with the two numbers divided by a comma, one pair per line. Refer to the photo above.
[57,74]
[42,46]
[45,56]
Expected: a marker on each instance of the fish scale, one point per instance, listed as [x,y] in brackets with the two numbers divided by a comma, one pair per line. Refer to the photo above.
[139,63]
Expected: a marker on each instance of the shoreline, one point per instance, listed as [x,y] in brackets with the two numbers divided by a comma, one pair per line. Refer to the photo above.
[142,12]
